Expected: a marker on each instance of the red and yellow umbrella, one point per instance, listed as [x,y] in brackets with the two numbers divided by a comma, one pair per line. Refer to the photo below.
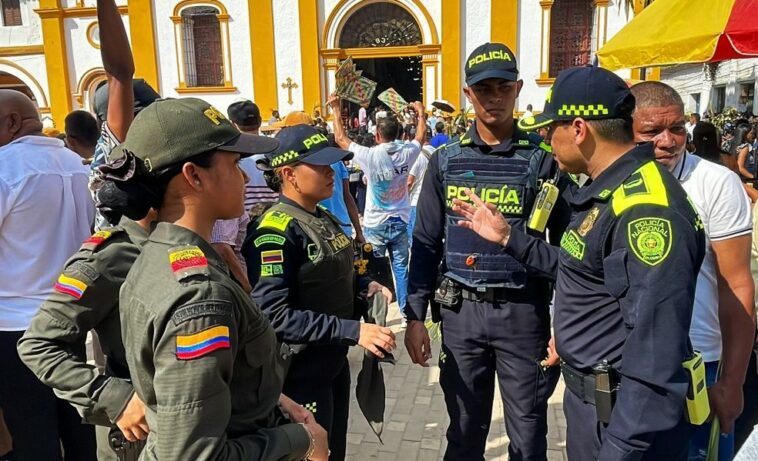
[685,31]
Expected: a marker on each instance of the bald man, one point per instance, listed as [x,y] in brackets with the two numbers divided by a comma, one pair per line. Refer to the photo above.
[45,213]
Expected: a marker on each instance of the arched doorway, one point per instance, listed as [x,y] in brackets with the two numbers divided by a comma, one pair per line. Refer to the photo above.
[393,42]
[11,82]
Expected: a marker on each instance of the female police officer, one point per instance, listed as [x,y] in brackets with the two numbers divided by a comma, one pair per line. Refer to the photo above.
[201,355]
[301,266]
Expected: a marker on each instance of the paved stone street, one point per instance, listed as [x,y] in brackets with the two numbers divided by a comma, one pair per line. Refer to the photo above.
[415,417]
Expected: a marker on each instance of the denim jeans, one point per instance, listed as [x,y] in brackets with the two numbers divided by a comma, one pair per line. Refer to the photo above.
[392,236]
[702,433]
[411,225]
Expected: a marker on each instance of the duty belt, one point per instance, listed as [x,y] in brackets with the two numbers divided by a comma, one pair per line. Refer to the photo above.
[580,384]
[484,295]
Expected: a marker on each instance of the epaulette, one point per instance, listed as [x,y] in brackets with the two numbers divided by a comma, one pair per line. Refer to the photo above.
[643,187]
[97,239]
[186,261]
[275,219]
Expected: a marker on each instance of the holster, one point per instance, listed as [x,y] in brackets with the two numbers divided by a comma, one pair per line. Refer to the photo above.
[124,449]
[448,293]
[598,388]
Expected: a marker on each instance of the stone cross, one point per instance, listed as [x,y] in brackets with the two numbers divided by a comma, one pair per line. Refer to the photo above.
[289,85]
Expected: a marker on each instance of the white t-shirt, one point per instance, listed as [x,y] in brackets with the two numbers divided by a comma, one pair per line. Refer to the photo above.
[724,207]
[45,214]
[417,171]
[386,169]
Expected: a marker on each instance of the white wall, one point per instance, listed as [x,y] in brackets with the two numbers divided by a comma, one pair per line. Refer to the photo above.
[28,33]
[690,79]
[82,57]
[288,62]
[34,65]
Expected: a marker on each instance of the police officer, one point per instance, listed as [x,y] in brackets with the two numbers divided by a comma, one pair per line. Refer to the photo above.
[202,356]
[86,298]
[495,313]
[626,274]
[301,267]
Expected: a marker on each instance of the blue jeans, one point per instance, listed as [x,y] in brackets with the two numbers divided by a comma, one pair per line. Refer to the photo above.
[411,225]
[701,434]
[392,236]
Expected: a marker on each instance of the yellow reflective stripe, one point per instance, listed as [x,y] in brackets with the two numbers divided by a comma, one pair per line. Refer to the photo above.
[275,220]
[655,195]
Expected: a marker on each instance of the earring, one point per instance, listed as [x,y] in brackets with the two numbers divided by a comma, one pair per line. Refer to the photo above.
[197,183]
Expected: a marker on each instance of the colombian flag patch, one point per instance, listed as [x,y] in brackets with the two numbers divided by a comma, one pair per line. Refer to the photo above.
[203,343]
[70,286]
[272,257]
[190,257]
[96,239]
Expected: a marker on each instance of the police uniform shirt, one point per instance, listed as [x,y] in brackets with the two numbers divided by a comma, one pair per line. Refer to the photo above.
[203,357]
[274,258]
[626,275]
[429,230]
[85,297]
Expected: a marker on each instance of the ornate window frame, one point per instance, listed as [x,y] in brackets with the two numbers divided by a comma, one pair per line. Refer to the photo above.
[223,19]
[600,28]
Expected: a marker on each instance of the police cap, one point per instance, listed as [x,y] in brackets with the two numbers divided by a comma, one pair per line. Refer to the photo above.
[589,92]
[173,130]
[303,143]
[491,60]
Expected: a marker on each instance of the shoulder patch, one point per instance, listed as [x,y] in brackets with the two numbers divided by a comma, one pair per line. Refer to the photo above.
[269,238]
[218,308]
[202,343]
[71,286]
[272,257]
[644,186]
[650,239]
[275,220]
[97,239]
[186,261]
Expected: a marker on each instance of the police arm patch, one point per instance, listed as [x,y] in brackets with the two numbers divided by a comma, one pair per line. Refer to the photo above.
[186,261]
[269,238]
[70,286]
[96,239]
[650,239]
[202,343]
[272,257]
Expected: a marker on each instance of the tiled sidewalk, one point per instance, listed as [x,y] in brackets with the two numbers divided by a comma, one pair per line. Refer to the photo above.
[415,418]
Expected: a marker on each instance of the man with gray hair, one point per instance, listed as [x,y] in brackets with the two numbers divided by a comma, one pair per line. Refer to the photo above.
[723,321]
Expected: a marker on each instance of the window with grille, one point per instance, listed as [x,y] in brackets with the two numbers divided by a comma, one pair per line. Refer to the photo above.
[11,12]
[570,34]
[203,58]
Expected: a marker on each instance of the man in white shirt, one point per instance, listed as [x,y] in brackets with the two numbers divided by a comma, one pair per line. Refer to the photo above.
[362,117]
[386,167]
[416,178]
[723,320]
[45,214]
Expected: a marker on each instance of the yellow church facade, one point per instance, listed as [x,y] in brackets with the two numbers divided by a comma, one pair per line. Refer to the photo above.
[283,54]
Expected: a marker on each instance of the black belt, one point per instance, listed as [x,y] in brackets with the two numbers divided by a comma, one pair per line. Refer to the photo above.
[486,295]
[580,384]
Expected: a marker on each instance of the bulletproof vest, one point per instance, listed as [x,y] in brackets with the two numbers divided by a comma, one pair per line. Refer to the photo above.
[326,281]
[508,181]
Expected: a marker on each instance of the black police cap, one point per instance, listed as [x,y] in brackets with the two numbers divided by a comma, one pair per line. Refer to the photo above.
[491,60]
[591,93]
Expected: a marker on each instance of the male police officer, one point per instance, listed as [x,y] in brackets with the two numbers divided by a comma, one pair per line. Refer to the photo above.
[626,275]
[496,315]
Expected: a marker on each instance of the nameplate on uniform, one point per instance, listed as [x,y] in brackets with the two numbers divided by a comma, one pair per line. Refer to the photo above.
[573,244]
[202,343]
[214,308]
[339,242]
[188,260]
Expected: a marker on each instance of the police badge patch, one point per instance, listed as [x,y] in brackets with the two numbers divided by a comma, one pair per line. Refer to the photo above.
[650,239]
[589,222]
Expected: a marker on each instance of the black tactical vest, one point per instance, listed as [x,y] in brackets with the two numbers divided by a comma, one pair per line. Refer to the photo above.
[326,281]
[508,181]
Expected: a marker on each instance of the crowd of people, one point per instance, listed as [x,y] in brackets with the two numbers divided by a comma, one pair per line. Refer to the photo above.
[608,238]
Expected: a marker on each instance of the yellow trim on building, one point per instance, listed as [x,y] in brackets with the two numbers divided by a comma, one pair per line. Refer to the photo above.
[205,89]
[309,57]
[56,59]
[21,50]
[75,12]
[261,14]
[142,33]
[451,51]
[504,23]
[89,34]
